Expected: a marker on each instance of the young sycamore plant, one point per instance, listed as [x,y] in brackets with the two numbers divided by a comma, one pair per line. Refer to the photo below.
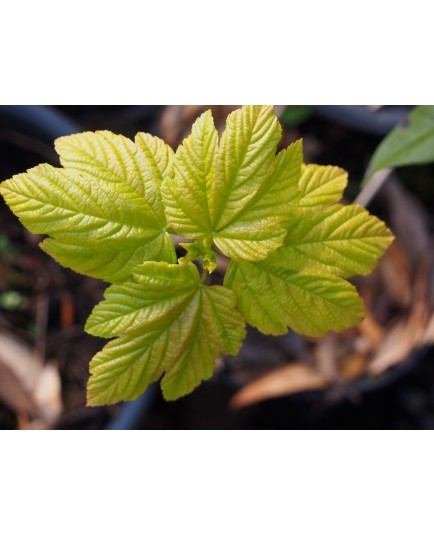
[110,212]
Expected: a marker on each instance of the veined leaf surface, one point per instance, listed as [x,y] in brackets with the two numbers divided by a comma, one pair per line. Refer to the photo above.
[103,210]
[272,298]
[341,240]
[187,193]
[235,193]
[168,324]
[320,186]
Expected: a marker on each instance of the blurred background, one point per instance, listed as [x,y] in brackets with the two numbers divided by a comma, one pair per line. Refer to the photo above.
[377,375]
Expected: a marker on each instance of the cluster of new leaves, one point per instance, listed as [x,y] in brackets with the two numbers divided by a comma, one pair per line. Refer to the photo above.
[110,211]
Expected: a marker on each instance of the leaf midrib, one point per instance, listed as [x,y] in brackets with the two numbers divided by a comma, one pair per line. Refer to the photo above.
[78,212]
[219,216]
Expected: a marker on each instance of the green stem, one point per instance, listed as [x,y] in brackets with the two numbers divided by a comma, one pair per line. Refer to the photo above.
[207,242]
[203,275]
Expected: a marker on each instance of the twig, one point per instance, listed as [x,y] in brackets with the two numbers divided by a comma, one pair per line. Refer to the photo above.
[372,187]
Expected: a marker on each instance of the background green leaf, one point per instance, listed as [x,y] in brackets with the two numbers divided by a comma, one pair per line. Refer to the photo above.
[295,115]
[409,143]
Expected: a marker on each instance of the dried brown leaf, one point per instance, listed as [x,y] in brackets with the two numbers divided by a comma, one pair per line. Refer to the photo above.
[35,387]
[395,274]
[352,366]
[176,120]
[371,330]
[289,379]
[409,219]
[14,396]
[413,330]
[429,332]
[20,359]
[399,342]
[48,393]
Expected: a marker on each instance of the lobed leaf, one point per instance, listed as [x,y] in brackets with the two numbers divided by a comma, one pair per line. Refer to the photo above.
[280,190]
[251,239]
[320,185]
[258,229]
[342,240]
[272,298]
[187,194]
[247,150]
[227,192]
[168,324]
[103,211]
[105,262]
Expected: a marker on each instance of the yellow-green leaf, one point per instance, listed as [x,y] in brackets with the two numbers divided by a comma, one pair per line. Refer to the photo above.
[342,240]
[272,298]
[281,189]
[258,229]
[187,194]
[169,325]
[237,193]
[246,153]
[107,263]
[320,185]
[102,211]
